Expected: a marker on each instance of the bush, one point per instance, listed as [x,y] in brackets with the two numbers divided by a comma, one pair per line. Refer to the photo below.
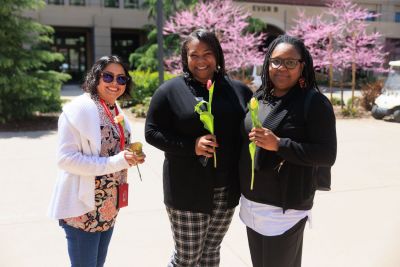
[140,110]
[27,86]
[145,83]
[349,111]
[352,110]
[336,101]
[370,92]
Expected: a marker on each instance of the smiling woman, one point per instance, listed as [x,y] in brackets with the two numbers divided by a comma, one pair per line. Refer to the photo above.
[290,145]
[113,83]
[93,163]
[197,195]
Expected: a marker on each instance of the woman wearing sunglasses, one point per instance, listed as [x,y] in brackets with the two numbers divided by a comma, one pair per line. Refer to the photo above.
[93,163]
[288,145]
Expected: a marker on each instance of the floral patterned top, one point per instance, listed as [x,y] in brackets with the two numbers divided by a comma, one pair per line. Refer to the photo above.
[103,216]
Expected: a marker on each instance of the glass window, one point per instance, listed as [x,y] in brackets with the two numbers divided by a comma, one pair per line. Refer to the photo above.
[77,2]
[123,43]
[131,3]
[397,16]
[55,2]
[372,17]
[111,3]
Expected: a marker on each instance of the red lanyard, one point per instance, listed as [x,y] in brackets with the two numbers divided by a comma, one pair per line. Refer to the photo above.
[120,129]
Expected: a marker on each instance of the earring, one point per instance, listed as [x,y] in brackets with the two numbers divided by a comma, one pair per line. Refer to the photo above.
[302,82]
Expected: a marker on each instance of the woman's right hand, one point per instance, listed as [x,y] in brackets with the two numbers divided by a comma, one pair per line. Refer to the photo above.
[133,159]
[205,145]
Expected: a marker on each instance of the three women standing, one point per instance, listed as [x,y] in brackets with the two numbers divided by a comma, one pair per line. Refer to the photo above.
[199,198]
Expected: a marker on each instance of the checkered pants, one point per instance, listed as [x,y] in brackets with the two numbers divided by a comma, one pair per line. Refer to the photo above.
[198,236]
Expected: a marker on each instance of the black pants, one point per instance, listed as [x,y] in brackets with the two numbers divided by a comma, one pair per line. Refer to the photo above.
[284,250]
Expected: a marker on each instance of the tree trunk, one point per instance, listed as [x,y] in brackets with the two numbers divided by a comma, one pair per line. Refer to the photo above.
[353,82]
[341,92]
[330,66]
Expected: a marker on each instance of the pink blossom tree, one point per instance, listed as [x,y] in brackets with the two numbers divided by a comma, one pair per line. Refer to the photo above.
[318,38]
[347,43]
[228,21]
[358,48]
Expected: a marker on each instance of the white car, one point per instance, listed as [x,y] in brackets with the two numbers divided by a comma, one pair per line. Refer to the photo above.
[388,103]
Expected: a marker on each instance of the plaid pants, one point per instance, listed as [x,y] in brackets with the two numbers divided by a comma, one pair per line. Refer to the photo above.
[198,236]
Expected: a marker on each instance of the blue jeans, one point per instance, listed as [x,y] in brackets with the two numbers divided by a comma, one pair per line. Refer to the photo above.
[87,249]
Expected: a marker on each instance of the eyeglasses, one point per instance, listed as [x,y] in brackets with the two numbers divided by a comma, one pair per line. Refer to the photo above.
[109,78]
[290,63]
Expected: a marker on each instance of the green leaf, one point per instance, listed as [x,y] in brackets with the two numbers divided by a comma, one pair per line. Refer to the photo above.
[252,150]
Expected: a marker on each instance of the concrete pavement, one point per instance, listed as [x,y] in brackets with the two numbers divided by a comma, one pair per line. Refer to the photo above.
[357,224]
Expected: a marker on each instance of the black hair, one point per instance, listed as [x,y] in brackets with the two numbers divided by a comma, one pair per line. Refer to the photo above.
[211,40]
[308,70]
[92,77]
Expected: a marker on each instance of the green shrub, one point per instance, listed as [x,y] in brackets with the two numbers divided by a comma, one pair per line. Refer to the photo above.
[145,83]
[336,101]
[140,110]
[349,111]
[27,85]
[357,102]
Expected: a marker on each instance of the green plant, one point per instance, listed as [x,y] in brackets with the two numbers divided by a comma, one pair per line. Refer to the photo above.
[369,92]
[145,83]
[140,110]
[356,103]
[27,86]
[350,112]
[336,101]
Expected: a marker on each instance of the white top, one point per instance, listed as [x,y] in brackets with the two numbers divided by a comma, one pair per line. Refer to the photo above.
[78,159]
[269,220]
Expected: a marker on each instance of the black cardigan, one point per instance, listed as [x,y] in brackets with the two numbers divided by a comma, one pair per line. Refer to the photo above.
[173,126]
[302,145]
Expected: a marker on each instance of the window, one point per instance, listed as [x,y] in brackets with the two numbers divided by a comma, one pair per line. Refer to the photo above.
[124,42]
[55,2]
[131,3]
[111,3]
[397,16]
[372,16]
[77,2]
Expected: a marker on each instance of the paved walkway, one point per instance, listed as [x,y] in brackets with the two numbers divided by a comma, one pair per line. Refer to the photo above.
[355,225]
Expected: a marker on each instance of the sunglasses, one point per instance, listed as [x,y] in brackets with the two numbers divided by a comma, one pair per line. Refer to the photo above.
[289,63]
[109,78]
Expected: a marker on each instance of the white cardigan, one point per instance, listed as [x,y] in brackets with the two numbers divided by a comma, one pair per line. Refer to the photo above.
[78,159]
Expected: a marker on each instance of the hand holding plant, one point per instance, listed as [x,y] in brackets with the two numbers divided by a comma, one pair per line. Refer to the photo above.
[253,108]
[206,116]
[136,148]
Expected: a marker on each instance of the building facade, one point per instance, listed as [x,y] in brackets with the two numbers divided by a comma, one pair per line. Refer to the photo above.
[85,30]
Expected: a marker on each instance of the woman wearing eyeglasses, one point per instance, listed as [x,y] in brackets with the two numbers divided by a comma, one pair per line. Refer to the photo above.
[288,145]
[93,163]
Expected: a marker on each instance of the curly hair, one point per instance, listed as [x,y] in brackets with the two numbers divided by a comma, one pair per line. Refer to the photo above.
[92,77]
[211,40]
[308,71]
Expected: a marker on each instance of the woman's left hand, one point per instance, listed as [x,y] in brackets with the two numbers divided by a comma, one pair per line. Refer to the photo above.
[264,138]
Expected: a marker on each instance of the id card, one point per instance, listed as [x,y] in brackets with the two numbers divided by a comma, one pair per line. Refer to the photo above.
[123,190]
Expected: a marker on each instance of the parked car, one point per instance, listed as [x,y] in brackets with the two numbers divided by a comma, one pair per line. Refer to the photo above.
[388,103]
